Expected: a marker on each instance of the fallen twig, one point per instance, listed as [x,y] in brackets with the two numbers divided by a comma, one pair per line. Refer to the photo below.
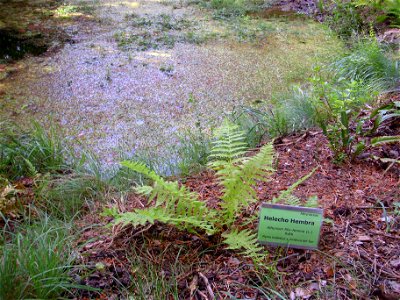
[208,286]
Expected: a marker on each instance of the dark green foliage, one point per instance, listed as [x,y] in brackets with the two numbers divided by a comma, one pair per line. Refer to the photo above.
[385,10]
[229,8]
[345,19]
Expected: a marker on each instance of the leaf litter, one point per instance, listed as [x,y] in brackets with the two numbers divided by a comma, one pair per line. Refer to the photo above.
[357,257]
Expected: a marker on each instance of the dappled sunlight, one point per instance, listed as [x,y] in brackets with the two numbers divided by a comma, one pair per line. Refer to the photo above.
[128,79]
[130,4]
[159,53]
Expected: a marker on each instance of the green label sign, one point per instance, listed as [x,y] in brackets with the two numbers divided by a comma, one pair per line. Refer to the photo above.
[289,226]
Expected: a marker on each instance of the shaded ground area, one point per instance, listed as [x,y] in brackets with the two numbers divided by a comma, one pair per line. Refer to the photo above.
[358,257]
[124,79]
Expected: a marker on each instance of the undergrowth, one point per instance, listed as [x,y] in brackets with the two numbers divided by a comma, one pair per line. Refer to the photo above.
[172,203]
[26,153]
[36,262]
[369,63]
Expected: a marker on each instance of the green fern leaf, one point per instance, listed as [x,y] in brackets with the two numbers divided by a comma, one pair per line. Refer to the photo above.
[246,242]
[140,217]
[312,202]
[286,195]
[229,143]
[237,174]
[291,200]
[174,204]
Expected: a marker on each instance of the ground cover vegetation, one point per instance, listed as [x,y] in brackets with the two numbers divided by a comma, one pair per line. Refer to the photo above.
[72,228]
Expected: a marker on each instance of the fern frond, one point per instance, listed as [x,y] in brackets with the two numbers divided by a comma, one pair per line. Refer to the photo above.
[237,174]
[140,217]
[292,200]
[259,166]
[246,242]
[142,169]
[287,194]
[312,202]
[174,204]
[238,179]
[229,143]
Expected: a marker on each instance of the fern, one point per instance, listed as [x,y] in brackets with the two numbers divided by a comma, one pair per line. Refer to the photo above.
[237,174]
[174,205]
[246,241]
[178,206]
[140,217]
[311,202]
[286,196]
[229,144]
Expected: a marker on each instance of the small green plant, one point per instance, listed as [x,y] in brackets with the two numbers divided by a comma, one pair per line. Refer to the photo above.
[261,123]
[26,153]
[369,63]
[343,106]
[345,19]
[36,262]
[347,131]
[390,9]
[174,204]
[193,150]
[390,218]
[167,69]
[199,37]
[253,122]
[382,115]
[64,196]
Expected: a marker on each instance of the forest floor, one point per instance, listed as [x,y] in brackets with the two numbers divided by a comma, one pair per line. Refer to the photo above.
[358,256]
[98,73]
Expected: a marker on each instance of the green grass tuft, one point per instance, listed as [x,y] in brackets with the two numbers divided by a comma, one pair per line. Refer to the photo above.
[36,262]
[25,153]
[369,63]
